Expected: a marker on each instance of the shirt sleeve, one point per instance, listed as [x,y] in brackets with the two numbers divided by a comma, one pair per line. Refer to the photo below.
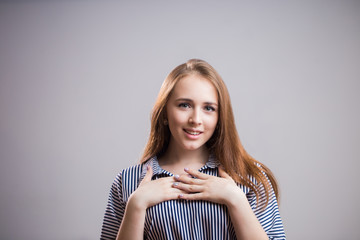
[269,217]
[114,210]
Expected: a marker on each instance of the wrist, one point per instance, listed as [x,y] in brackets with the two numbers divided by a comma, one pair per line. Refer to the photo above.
[136,202]
[235,199]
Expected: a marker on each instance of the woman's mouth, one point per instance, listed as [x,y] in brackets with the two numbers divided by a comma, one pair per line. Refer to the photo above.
[192,132]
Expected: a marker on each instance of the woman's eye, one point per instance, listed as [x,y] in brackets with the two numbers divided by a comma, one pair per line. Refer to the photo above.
[184,105]
[210,108]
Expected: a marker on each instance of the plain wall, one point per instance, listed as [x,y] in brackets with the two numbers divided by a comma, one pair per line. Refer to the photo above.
[78,80]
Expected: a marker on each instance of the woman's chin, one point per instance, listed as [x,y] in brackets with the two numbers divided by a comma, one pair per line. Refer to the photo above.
[193,147]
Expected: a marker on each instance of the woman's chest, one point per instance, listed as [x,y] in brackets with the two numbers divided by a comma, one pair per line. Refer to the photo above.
[181,219]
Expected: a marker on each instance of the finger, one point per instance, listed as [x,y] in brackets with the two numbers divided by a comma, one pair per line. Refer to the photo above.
[192,196]
[148,175]
[188,179]
[177,176]
[196,173]
[187,187]
[172,192]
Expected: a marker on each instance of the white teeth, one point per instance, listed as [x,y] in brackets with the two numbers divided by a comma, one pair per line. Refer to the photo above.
[193,133]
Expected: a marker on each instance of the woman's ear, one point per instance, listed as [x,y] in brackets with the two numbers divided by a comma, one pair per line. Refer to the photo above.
[165,117]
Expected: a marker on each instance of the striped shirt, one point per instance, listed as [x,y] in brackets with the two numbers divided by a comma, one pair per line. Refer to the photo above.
[183,219]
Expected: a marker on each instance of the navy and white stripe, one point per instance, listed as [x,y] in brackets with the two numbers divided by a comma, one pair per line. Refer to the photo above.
[182,219]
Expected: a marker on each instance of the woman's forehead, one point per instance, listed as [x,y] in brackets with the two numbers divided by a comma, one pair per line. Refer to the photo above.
[195,87]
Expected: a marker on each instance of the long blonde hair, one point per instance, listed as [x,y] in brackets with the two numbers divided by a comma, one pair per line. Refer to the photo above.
[224,144]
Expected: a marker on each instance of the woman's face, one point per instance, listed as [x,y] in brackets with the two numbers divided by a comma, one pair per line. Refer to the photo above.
[192,112]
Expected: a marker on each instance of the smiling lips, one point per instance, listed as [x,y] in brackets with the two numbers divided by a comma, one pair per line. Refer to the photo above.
[192,132]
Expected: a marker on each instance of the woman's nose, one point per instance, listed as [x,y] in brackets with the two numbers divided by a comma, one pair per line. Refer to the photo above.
[195,117]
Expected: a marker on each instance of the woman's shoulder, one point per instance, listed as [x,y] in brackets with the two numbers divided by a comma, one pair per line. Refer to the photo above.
[125,173]
[132,172]
[127,180]
[130,177]
[131,169]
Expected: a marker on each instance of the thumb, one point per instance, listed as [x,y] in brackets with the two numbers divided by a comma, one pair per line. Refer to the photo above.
[148,175]
[222,173]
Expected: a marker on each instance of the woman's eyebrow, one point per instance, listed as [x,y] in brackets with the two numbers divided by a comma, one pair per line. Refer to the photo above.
[184,99]
[211,103]
[190,100]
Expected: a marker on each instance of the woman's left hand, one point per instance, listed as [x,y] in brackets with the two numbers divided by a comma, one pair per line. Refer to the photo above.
[220,190]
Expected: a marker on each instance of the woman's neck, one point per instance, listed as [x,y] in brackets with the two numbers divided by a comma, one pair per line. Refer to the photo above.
[175,160]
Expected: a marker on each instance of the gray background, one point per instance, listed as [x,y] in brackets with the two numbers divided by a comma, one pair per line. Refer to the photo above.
[78,80]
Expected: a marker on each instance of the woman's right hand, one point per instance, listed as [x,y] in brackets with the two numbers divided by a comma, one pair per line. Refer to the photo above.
[150,193]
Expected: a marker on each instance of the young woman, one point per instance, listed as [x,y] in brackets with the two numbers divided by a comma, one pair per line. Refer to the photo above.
[195,180]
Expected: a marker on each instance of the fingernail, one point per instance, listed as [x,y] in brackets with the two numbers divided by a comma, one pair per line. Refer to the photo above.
[147,167]
[175,184]
[189,176]
[181,196]
[186,169]
[176,176]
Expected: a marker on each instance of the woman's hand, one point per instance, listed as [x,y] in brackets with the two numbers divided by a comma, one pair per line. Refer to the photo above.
[150,193]
[222,190]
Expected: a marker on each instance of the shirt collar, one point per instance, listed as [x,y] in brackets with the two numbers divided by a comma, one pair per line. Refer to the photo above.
[157,170]
[211,163]
[154,164]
